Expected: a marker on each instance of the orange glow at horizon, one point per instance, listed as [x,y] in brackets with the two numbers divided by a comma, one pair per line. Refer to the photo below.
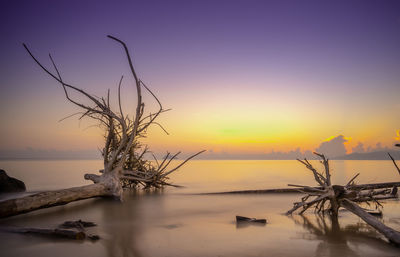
[232,121]
[249,77]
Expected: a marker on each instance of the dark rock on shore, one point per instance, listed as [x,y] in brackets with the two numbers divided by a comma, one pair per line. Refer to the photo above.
[9,184]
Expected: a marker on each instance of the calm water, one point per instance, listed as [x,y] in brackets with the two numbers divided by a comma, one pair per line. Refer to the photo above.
[180,222]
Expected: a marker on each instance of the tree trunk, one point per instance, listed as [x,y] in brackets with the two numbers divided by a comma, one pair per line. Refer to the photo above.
[123,153]
[52,198]
[389,233]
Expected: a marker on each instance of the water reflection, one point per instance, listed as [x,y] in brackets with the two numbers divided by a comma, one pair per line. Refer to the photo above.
[125,222]
[337,241]
[240,225]
[178,222]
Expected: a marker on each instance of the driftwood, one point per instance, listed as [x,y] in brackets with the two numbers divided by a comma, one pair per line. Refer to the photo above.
[61,231]
[376,213]
[328,198]
[389,233]
[246,219]
[123,155]
[50,198]
[78,224]
[296,190]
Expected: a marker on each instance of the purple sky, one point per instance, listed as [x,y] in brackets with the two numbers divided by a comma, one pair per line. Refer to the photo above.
[350,39]
[341,57]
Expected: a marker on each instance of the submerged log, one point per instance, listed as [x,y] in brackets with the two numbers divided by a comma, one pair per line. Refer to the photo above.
[51,198]
[374,213]
[63,233]
[256,191]
[389,233]
[78,224]
[296,190]
[246,219]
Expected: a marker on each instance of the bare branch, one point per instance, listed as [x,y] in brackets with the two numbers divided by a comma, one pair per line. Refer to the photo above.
[162,168]
[297,206]
[318,177]
[351,180]
[307,188]
[119,97]
[325,162]
[69,116]
[394,162]
[180,165]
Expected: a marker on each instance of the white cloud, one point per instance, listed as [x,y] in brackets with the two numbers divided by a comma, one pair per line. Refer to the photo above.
[333,148]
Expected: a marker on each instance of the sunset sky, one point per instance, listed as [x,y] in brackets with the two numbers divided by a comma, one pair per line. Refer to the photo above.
[242,77]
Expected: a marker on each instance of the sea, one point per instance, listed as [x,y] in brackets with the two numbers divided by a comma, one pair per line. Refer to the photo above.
[188,221]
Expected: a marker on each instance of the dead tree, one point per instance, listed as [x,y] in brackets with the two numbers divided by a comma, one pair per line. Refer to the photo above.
[123,154]
[328,198]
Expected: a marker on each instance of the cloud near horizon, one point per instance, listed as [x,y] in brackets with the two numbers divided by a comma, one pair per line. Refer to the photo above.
[333,147]
[359,148]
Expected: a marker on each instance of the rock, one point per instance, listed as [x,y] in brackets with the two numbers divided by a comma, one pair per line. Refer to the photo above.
[9,184]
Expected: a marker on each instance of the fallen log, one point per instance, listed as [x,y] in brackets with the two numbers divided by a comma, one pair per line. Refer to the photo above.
[296,190]
[374,186]
[389,233]
[256,191]
[51,198]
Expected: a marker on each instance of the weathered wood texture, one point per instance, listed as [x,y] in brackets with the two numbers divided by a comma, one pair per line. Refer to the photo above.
[389,233]
[51,198]
[345,196]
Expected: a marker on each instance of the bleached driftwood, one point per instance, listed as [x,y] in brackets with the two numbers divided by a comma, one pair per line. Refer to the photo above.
[389,233]
[123,155]
[51,198]
[329,198]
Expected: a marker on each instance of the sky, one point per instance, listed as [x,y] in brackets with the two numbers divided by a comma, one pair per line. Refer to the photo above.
[241,77]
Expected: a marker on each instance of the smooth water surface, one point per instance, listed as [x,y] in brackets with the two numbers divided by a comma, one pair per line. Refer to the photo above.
[182,222]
